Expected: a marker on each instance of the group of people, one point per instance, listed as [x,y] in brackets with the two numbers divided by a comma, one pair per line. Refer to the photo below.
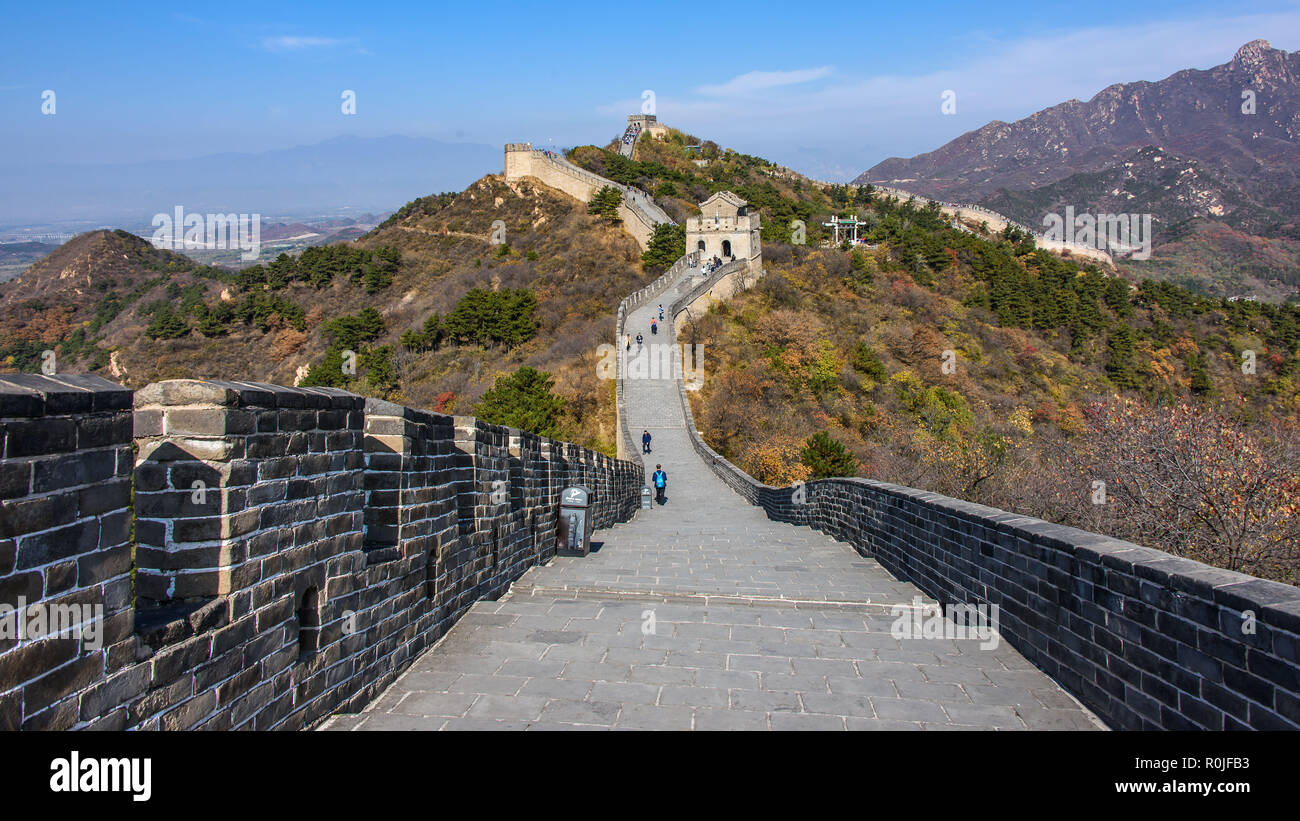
[654,329]
[709,265]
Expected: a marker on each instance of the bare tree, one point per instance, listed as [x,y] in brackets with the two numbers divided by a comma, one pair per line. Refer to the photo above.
[1195,481]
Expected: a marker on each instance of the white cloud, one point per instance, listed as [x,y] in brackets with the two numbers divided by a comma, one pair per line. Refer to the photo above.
[762,80]
[296,43]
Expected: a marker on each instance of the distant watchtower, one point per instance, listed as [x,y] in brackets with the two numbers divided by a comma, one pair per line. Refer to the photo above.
[648,123]
[726,229]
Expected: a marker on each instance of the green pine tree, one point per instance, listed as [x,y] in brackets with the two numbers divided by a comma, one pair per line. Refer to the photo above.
[167,324]
[1120,364]
[524,400]
[867,361]
[826,457]
[666,246]
[605,203]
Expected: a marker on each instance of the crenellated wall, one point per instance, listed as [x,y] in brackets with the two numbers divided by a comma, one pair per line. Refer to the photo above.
[722,284]
[996,223]
[639,213]
[296,547]
[65,525]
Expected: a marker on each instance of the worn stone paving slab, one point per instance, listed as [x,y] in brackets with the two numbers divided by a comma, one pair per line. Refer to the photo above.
[669,678]
[703,614]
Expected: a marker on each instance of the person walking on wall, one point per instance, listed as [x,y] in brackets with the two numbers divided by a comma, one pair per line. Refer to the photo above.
[645,441]
[654,327]
[660,480]
[638,342]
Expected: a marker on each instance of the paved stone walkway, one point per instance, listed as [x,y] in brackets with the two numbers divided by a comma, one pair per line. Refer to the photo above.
[704,614]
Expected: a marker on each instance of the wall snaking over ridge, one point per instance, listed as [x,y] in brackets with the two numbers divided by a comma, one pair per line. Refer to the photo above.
[639,213]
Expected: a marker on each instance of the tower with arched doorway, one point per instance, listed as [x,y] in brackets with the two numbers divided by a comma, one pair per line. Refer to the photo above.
[727,229]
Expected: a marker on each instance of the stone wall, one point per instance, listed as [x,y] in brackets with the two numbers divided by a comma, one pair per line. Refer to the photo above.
[996,222]
[65,524]
[1145,639]
[639,214]
[722,284]
[296,547]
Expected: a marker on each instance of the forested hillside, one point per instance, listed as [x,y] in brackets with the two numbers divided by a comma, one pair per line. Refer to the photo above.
[426,309]
[932,355]
[992,371]
[681,171]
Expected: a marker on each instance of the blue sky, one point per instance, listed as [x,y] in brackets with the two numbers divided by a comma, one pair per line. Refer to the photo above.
[825,91]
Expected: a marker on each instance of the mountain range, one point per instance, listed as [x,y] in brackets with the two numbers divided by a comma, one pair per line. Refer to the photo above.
[1213,155]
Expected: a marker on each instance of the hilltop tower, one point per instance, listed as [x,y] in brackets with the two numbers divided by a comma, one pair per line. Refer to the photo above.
[726,229]
[519,160]
[649,124]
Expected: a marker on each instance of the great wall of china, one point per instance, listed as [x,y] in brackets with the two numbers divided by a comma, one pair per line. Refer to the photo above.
[977,214]
[1145,639]
[264,557]
[640,214]
[295,549]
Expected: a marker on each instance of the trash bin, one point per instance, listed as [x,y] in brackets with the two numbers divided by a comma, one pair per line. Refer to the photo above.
[575,524]
[647,499]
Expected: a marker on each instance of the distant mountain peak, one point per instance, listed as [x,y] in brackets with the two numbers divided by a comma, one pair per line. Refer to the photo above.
[1196,113]
[1253,53]
[1232,132]
[1266,66]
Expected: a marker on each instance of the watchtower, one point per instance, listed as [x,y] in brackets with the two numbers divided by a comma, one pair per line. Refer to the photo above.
[649,123]
[519,160]
[726,229]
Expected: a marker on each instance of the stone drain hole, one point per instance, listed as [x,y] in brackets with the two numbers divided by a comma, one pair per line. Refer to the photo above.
[308,614]
[433,567]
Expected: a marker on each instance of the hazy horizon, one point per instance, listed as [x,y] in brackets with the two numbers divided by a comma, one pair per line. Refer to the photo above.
[143,115]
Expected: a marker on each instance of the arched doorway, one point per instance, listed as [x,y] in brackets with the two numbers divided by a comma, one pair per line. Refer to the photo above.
[699,246]
[726,248]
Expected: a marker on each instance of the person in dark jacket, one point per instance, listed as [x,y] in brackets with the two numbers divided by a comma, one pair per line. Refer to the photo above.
[660,481]
[645,441]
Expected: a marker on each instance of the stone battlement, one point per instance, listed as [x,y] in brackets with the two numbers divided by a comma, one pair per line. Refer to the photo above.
[296,547]
[639,213]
